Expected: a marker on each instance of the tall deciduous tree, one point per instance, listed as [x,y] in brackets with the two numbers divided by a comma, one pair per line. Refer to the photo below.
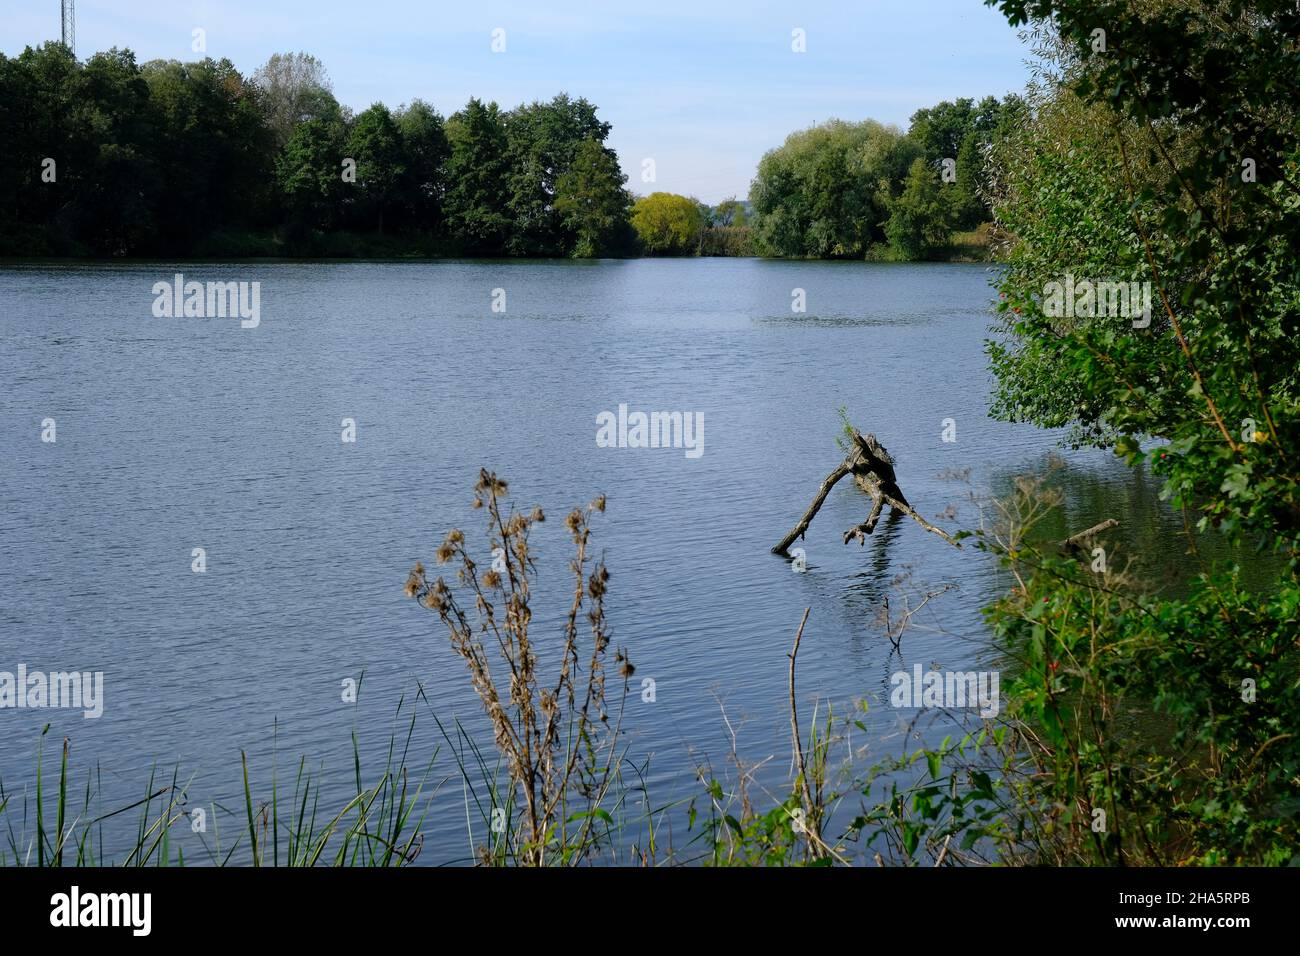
[118,188]
[593,202]
[296,89]
[918,226]
[310,173]
[218,159]
[375,143]
[730,212]
[478,173]
[1163,153]
[424,168]
[964,132]
[543,141]
[39,122]
[819,194]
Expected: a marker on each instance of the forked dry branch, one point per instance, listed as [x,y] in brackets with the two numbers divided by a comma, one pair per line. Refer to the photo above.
[873,469]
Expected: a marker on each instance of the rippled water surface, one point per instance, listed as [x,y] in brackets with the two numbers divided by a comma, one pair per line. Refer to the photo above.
[175,434]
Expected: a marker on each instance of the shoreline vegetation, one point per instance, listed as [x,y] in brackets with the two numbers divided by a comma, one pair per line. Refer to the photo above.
[112,159]
[558,786]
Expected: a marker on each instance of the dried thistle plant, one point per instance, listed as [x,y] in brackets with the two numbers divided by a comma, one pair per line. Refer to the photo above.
[554,734]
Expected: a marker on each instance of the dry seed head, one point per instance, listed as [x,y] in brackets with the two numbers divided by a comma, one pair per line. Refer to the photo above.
[487,481]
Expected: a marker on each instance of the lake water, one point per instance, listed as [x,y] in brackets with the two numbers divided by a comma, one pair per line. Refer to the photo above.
[183,433]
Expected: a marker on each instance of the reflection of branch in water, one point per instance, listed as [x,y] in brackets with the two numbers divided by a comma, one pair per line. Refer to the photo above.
[874,579]
[894,629]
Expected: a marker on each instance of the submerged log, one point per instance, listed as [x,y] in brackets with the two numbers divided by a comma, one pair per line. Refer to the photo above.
[1075,541]
[873,469]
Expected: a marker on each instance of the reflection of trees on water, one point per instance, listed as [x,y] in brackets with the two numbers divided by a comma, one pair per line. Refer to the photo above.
[1151,535]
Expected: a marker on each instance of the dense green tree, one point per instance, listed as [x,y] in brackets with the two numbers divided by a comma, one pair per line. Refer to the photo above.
[424,168]
[117,190]
[216,164]
[543,140]
[833,191]
[820,193]
[918,226]
[172,157]
[1060,197]
[38,92]
[964,132]
[593,201]
[940,130]
[478,173]
[309,171]
[374,142]
[963,199]
[1148,180]
[147,159]
[164,157]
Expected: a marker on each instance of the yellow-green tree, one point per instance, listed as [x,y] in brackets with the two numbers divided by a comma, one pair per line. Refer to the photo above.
[667,224]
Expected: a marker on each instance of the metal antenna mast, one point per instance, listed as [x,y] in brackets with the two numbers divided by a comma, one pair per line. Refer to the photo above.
[68,14]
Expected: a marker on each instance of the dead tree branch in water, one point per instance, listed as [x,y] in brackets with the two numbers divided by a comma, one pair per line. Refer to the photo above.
[873,469]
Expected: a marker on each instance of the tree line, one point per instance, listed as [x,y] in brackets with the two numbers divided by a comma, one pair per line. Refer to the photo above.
[108,157]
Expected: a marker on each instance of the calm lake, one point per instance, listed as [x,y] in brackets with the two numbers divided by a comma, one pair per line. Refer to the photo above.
[182,433]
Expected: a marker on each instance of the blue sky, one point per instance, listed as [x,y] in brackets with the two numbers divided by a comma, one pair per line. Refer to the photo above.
[703,88]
